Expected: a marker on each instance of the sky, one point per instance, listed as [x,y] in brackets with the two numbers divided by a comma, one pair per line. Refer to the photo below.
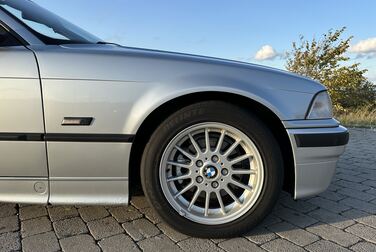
[253,31]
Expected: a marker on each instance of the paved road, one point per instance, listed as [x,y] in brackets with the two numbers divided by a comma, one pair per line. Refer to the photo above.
[341,219]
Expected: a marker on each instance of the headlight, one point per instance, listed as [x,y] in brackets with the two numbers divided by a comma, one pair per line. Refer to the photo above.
[321,107]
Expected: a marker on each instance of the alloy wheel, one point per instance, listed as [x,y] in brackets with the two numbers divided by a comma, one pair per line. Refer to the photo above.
[211,173]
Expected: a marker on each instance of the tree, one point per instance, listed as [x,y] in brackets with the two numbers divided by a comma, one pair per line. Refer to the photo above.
[325,61]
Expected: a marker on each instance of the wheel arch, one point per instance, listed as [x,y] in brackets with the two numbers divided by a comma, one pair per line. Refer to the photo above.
[151,122]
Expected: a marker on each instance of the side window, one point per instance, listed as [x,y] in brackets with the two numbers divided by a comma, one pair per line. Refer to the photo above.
[6,39]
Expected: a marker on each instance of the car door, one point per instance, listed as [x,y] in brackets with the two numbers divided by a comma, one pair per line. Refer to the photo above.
[23,163]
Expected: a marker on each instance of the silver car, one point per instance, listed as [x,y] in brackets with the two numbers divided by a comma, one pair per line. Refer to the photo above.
[212,142]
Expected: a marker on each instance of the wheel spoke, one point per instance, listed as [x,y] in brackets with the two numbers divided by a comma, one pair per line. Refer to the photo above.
[197,193]
[232,195]
[195,145]
[219,197]
[187,166]
[241,158]
[241,185]
[232,148]
[220,141]
[188,155]
[182,177]
[243,172]
[207,198]
[207,140]
[189,186]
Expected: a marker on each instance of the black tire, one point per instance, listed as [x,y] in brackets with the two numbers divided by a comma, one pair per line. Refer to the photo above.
[245,121]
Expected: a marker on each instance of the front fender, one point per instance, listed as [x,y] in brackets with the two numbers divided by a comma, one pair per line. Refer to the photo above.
[286,105]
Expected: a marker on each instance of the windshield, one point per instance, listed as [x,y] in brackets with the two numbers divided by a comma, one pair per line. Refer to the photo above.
[48,27]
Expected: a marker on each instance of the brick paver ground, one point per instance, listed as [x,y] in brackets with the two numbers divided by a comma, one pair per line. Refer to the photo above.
[341,219]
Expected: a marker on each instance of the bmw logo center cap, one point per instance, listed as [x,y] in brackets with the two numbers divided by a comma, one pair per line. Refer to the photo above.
[210,172]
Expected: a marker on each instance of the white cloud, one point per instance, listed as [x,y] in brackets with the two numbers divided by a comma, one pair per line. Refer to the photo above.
[266,52]
[365,48]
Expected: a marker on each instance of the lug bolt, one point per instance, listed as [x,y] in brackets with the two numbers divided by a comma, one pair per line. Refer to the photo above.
[199,163]
[224,172]
[199,179]
[215,184]
[215,159]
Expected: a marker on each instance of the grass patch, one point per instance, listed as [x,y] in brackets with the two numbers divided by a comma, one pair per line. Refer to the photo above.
[362,117]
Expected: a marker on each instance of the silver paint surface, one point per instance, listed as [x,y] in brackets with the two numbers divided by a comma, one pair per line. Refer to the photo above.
[20,112]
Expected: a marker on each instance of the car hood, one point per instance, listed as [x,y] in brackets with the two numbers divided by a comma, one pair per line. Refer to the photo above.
[117,63]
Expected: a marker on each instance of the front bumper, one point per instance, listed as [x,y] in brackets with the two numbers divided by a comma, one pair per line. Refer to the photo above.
[316,152]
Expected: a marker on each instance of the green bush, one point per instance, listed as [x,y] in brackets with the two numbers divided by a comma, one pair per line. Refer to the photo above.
[324,60]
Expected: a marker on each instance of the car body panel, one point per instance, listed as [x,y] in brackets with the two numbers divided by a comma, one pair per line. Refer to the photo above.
[108,103]
[125,91]
[126,85]
[119,63]
[18,62]
[20,103]
[89,192]
[127,104]
[23,163]
[314,166]
[23,159]
[24,190]
[88,160]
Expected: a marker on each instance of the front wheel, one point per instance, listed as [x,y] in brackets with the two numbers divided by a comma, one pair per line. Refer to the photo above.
[212,170]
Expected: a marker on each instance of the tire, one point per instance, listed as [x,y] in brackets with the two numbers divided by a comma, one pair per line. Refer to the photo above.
[260,174]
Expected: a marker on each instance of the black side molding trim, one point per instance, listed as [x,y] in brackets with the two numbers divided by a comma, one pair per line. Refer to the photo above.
[322,140]
[89,138]
[36,137]
[21,137]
